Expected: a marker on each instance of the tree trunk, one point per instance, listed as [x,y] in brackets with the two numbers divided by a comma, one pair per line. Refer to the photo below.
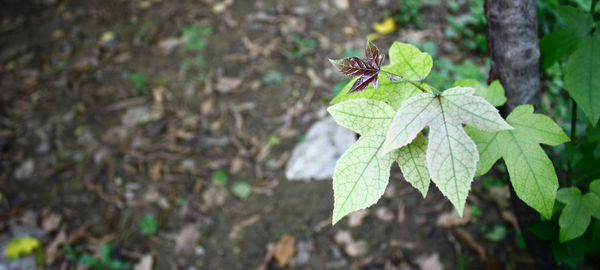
[514,56]
[514,51]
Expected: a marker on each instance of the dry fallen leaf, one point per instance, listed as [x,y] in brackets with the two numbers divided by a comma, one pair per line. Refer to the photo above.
[145,263]
[429,262]
[284,249]
[52,250]
[227,84]
[155,170]
[451,218]
[186,240]
[356,218]
[343,237]
[357,249]
[341,4]
[51,222]
[384,214]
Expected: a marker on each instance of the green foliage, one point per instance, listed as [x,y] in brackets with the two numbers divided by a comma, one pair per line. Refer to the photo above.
[531,171]
[139,81]
[451,157]
[576,216]
[148,225]
[362,173]
[220,177]
[494,93]
[242,190]
[409,14]
[272,77]
[404,59]
[582,68]
[105,259]
[496,234]
[195,36]
[304,48]
[468,30]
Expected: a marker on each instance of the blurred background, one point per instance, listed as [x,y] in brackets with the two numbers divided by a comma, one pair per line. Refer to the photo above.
[155,134]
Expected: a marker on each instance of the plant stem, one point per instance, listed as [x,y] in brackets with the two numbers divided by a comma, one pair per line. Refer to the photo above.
[593,9]
[414,83]
[573,139]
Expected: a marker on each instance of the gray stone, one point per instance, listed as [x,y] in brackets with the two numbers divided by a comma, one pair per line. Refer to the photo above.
[315,157]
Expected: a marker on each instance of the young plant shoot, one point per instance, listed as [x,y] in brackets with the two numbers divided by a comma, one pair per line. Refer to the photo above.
[390,106]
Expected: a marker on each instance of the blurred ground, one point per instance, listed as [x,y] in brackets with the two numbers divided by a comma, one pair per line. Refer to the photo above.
[109,116]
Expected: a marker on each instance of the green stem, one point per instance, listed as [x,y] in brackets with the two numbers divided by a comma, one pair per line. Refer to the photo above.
[573,139]
[414,83]
[593,9]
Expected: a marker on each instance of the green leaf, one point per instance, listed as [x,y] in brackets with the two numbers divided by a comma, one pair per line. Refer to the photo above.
[494,94]
[22,246]
[242,190]
[555,45]
[497,233]
[362,172]
[105,252]
[531,172]
[148,225]
[364,116]
[360,176]
[576,216]
[451,155]
[413,163]
[406,60]
[582,71]
[576,19]
[220,177]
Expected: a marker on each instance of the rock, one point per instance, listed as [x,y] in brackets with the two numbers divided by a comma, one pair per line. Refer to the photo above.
[145,263]
[430,262]
[384,214]
[357,249]
[343,237]
[25,169]
[341,4]
[187,239]
[355,218]
[136,115]
[315,157]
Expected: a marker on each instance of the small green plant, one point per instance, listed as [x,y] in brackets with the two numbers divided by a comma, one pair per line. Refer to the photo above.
[391,110]
[220,177]
[139,81]
[105,259]
[242,190]
[195,36]
[469,30]
[148,225]
[304,48]
[272,77]
[409,14]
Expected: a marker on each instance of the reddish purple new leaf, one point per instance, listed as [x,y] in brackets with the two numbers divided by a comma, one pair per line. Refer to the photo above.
[367,68]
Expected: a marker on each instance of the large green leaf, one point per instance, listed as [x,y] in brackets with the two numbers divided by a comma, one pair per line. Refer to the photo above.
[451,155]
[530,170]
[576,216]
[560,42]
[555,45]
[582,73]
[362,173]
[405,60]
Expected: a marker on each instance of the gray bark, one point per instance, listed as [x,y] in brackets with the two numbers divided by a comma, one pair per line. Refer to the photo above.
[514,51]
[514,57]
